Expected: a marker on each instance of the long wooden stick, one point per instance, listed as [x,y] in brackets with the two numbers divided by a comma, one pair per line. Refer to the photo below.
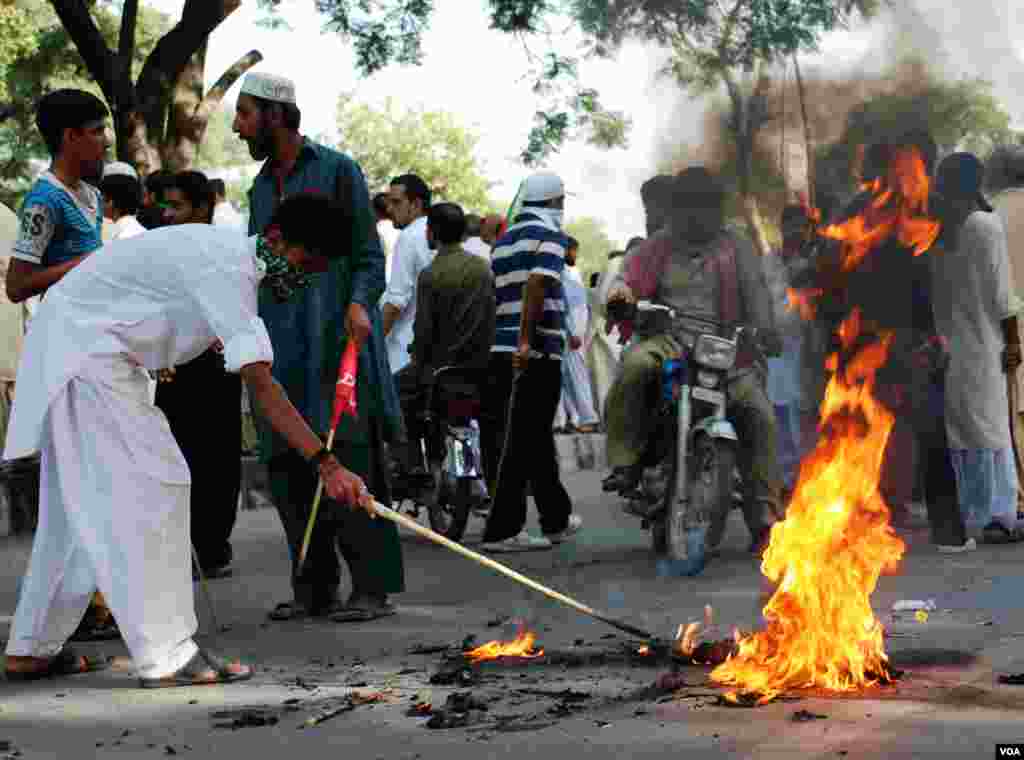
[415,527]
[316,507]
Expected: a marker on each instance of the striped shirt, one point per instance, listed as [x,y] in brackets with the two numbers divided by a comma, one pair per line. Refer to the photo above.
[530,246]
[58,223]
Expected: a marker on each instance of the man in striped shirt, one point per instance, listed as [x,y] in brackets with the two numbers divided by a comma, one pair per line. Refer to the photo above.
[519,444]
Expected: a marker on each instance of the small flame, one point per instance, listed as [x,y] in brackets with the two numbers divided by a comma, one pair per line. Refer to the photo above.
[644,650]
[521,646]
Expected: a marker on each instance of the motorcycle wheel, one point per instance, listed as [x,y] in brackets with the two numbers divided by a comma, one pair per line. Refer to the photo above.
[712,483]
[712,461]
[449,508]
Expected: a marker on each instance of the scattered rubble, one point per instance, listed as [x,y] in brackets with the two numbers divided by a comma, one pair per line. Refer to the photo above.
[805,716]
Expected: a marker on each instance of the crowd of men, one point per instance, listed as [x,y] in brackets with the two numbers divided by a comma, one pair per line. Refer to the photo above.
[135,358]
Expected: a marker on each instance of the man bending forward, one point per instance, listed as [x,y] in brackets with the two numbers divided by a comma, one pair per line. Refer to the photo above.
[114,500]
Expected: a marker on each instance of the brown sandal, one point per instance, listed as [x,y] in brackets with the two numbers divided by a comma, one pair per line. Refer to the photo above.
[66,663]
[204,669]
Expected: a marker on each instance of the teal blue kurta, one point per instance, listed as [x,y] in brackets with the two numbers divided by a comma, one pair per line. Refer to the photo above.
[308,332]
[308,335]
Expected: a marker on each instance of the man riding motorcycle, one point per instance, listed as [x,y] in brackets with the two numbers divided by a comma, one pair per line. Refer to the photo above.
[701,269]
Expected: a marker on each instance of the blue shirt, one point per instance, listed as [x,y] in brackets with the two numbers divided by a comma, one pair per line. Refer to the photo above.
[529,247]
[57,224]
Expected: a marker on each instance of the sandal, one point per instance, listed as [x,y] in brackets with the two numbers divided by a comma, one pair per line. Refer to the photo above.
[65,663]
[362,610]
[204,669]
[996,533]
[289,611]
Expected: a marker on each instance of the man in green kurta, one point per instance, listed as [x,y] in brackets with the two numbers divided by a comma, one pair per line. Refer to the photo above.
[309,330]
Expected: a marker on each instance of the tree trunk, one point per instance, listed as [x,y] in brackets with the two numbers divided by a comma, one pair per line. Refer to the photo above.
[164,112]
[190,109]
[808,144]
[748,116]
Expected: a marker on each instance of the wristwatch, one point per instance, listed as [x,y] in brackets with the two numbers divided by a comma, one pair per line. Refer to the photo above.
[318,458]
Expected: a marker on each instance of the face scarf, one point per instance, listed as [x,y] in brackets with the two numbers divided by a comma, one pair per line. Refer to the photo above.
[551,216]
[282,278]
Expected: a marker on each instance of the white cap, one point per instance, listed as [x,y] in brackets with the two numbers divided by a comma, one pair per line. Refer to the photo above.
[542,186]
[269,87]
[119,169]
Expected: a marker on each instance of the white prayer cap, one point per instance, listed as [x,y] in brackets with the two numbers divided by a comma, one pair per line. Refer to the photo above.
[543,186]
[119,168]
[269,87]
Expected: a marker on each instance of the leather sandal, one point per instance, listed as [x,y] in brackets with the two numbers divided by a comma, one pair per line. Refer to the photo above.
[362,610]
[204,669]
[65,663]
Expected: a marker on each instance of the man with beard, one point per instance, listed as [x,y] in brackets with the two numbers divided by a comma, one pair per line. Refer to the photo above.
[61,224]
[309,334]
[203,405]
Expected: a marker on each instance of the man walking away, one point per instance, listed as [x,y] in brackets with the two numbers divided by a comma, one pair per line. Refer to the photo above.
[576,409]
[454,324]
[526,372]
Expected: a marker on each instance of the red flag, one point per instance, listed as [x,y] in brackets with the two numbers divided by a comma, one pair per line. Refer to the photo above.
[345,388]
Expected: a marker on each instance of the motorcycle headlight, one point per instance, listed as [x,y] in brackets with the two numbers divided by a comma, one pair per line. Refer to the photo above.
[716,353]
[707,379]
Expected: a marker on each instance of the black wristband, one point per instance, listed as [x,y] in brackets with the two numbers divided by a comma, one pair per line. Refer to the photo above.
[318,458]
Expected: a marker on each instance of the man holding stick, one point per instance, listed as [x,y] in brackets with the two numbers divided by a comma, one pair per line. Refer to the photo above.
[309,334]
[114,506]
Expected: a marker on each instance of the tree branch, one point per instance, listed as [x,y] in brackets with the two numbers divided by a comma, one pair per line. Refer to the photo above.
[174,50]
[216,93]
[126,37]
[99,59]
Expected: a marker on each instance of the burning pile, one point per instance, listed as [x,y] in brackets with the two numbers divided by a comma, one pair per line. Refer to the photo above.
[827,555]
[521,646]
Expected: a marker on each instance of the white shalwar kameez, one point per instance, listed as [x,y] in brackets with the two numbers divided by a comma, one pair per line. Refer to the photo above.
[114,499]
[971,297]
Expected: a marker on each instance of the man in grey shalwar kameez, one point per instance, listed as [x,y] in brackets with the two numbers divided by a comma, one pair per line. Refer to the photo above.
[974,310]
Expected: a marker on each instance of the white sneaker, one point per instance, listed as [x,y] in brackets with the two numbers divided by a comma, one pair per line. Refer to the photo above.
[524,542]
[967,546]
[574,527]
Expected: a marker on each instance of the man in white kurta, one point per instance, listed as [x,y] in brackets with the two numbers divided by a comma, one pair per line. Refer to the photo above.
[114,502]
[971,299]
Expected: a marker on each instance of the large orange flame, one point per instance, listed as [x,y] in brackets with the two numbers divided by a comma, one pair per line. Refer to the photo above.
[521,646]
[835,542]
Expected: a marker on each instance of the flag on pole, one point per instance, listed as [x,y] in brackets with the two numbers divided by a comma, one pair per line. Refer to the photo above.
[516,207]
[345,388]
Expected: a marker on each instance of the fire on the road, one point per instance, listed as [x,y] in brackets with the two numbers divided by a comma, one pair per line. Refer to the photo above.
[827,555]
[520,646]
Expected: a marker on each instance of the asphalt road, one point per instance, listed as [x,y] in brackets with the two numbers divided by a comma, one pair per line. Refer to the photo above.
[948,703]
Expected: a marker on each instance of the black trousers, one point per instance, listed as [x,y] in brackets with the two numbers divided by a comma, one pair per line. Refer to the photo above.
[370,548]
[203,405]
[927,423]
[531,458]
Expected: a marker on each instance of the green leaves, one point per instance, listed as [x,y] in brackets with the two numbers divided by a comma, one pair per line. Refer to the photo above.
[387,142]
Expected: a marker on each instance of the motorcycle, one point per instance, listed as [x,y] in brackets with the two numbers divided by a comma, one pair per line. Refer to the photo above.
[687,488]
[450,486]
